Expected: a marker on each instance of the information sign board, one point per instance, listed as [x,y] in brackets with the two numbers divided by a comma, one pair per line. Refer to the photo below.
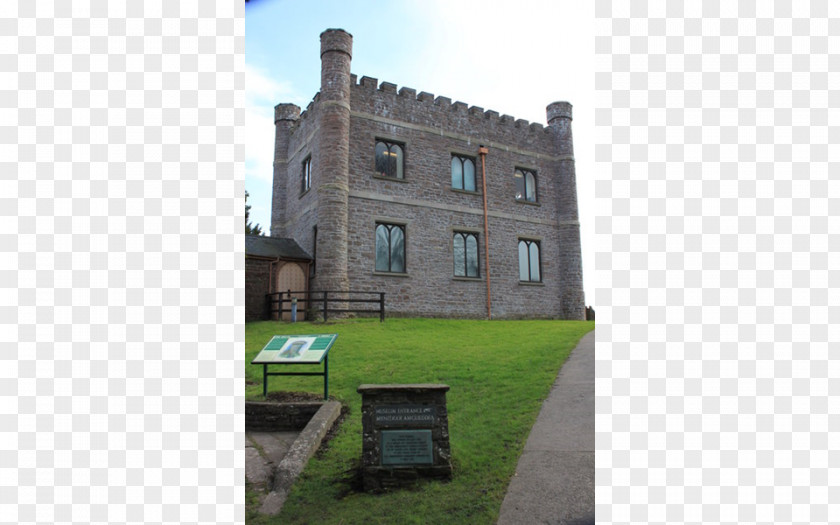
[295,349]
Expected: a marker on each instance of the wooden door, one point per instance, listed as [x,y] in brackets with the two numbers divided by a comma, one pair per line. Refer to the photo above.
[291,276]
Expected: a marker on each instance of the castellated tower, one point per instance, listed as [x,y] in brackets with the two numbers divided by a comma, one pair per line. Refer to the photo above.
[285,115]
[332,159]
[396,198]
[559,116]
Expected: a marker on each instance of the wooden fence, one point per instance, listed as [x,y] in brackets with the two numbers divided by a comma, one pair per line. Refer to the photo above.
[323,303]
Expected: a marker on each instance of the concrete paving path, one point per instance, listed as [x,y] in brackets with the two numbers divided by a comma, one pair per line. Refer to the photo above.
[555,477]
[263,453]
[274,460]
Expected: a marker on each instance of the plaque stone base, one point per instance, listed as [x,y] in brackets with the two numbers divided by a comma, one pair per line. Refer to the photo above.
[405,435]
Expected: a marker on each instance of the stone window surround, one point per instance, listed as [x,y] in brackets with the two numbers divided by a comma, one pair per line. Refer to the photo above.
[538,240]
[533,171]
[464,229]
[391,139]
[465,233]
[476,175]
[396,222]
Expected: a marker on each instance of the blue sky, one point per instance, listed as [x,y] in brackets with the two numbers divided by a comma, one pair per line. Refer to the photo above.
[511,57]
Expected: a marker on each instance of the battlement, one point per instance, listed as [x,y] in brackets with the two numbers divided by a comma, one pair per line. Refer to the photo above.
[387,100]
[406,99]
[304,115]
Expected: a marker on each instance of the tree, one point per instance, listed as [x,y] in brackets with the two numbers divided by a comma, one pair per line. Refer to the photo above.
[249,229]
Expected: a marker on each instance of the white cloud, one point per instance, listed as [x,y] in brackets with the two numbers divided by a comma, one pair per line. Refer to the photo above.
[260,87]
[262,93]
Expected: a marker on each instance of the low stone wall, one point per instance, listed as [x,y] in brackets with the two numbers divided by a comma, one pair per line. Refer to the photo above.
[273,417]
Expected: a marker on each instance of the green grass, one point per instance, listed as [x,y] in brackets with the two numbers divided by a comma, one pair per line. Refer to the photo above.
[499,372]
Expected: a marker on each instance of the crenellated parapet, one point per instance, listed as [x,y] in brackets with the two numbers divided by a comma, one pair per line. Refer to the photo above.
[404,104]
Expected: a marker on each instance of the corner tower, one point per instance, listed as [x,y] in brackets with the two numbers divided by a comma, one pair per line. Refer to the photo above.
[332,160]
[285,116]
[559,115]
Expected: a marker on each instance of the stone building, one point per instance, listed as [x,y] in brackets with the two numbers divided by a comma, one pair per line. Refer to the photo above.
[451,210]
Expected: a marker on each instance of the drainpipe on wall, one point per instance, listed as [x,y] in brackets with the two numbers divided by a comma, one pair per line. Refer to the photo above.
[482,152]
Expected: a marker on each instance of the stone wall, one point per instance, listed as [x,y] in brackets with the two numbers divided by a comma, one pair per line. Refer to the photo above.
[432,129]
[274,417]
[432,211]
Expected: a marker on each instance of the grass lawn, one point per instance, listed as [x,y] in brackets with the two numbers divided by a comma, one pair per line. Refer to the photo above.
[499,373]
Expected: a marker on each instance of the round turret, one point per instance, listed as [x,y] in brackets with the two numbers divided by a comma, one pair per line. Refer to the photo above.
[286,112]
[337,40]
[558,110]
[331,159]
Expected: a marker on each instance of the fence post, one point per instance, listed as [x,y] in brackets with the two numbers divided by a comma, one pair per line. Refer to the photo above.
[381,307]
[325,306]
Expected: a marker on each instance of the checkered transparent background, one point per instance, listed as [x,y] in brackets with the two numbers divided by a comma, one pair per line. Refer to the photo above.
[121,268]
[718,189]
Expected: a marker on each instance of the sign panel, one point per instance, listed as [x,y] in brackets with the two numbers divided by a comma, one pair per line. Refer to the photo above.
[295,349]
[406,447]
[405,415]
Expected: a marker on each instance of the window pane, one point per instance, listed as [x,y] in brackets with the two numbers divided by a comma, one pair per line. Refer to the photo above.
[534,256]
[458,252]
[523,261]
[382,159]
[520,184]
[306,174]
[469,175]
[382,250]
[530,187]
[397,249]
[472,256]
[456,173]
[397,158]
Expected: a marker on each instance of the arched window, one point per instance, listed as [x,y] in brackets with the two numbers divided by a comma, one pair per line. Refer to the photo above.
[390,248]
[389,159]
[463,173]
[526,185]
[529,261]
[465,254]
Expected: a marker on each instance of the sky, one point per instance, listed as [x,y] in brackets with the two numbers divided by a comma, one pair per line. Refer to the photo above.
[511,57]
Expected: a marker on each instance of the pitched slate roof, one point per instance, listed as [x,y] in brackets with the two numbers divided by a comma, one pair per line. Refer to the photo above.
[274,247]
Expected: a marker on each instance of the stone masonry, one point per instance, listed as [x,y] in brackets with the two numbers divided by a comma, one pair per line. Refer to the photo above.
[431,399]
[338,132]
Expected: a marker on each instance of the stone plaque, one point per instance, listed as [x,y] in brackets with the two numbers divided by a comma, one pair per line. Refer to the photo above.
[405,415]
[407,447]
